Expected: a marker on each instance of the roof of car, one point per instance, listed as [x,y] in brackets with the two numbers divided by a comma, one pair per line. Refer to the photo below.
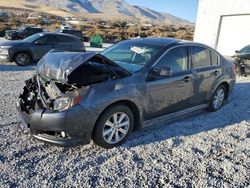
[73,30]
[165,41]
[58,33]
[157,41]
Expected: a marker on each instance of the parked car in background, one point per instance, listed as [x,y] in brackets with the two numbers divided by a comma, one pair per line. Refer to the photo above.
[77,33]
[75,97]
[22,33]
[242,59]
[36,46]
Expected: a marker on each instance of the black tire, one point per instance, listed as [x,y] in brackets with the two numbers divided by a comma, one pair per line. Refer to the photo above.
[101,126]
[219,97]
[22,59]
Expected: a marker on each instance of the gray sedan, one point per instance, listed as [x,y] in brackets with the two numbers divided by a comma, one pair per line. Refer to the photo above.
[76,97]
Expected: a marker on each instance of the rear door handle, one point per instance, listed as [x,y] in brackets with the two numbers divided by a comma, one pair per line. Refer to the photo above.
[186,79]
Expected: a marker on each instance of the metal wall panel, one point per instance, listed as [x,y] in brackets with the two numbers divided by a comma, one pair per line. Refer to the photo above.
[209,18]
[236,37]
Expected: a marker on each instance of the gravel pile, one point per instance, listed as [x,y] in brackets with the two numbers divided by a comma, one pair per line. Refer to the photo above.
[205,150]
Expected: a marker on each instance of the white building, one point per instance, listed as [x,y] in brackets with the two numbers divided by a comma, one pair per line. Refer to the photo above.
[223,24]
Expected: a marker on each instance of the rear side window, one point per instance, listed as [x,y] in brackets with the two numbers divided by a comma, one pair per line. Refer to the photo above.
[176,59]
[64,39]
[201,57]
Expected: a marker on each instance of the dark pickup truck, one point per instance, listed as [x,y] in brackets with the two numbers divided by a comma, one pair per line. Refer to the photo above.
[22,33]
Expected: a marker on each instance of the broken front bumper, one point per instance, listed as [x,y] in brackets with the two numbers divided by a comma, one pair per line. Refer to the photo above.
[45,125]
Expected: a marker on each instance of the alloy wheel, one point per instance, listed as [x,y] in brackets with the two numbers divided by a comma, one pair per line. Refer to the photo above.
[218,98]
[22,59]
[116,127]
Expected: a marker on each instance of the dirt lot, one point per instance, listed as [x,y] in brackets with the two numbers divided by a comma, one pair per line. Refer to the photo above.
[206,150]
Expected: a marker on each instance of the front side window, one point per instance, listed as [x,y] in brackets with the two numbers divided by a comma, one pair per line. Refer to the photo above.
[201,57]
[33,38]
[48,39]
[176,59]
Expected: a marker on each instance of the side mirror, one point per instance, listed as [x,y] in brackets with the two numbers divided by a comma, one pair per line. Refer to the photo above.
[237,51]
[164,71]
[38,42]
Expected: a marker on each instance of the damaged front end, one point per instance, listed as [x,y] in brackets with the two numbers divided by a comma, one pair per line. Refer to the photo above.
[50,103]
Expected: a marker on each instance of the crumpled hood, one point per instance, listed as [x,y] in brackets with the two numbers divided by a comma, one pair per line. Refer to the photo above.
[57,65]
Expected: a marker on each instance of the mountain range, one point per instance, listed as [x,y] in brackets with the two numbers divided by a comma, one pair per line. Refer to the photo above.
[103,9]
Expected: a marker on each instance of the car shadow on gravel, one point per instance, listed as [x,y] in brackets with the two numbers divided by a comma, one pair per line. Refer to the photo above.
[235,111]
[14,67]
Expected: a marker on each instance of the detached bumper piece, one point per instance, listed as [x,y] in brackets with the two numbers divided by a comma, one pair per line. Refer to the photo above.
[56,138]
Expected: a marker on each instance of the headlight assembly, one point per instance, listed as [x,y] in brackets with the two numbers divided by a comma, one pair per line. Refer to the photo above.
[4,50]
[64,103]
[5,47]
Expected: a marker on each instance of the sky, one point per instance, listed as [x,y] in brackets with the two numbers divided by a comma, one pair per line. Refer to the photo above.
[186,9]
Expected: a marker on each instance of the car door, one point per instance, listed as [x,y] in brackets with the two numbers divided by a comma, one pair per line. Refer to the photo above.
[168,94]
[43,45]
[206,69]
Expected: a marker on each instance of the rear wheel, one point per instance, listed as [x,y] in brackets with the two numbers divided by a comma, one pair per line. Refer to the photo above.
[217,98]
[114,126]
[22,59]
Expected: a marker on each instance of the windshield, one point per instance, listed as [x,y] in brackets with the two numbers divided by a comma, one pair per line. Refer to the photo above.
[131,56]
[33,38]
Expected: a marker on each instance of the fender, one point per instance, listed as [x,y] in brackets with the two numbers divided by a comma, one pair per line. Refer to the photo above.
[15,51]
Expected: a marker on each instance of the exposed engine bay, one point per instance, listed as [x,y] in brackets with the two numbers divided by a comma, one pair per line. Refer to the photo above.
[58,89]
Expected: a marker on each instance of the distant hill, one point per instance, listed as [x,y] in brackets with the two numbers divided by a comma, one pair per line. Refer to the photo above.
[103,9]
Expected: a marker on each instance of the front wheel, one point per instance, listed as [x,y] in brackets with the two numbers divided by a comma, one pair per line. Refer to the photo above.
[217,98]
[114,126]
[22,59]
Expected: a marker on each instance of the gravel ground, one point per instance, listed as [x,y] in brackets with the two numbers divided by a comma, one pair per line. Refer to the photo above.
[208,150]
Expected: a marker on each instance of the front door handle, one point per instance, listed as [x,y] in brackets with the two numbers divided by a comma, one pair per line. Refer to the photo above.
[186,79]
